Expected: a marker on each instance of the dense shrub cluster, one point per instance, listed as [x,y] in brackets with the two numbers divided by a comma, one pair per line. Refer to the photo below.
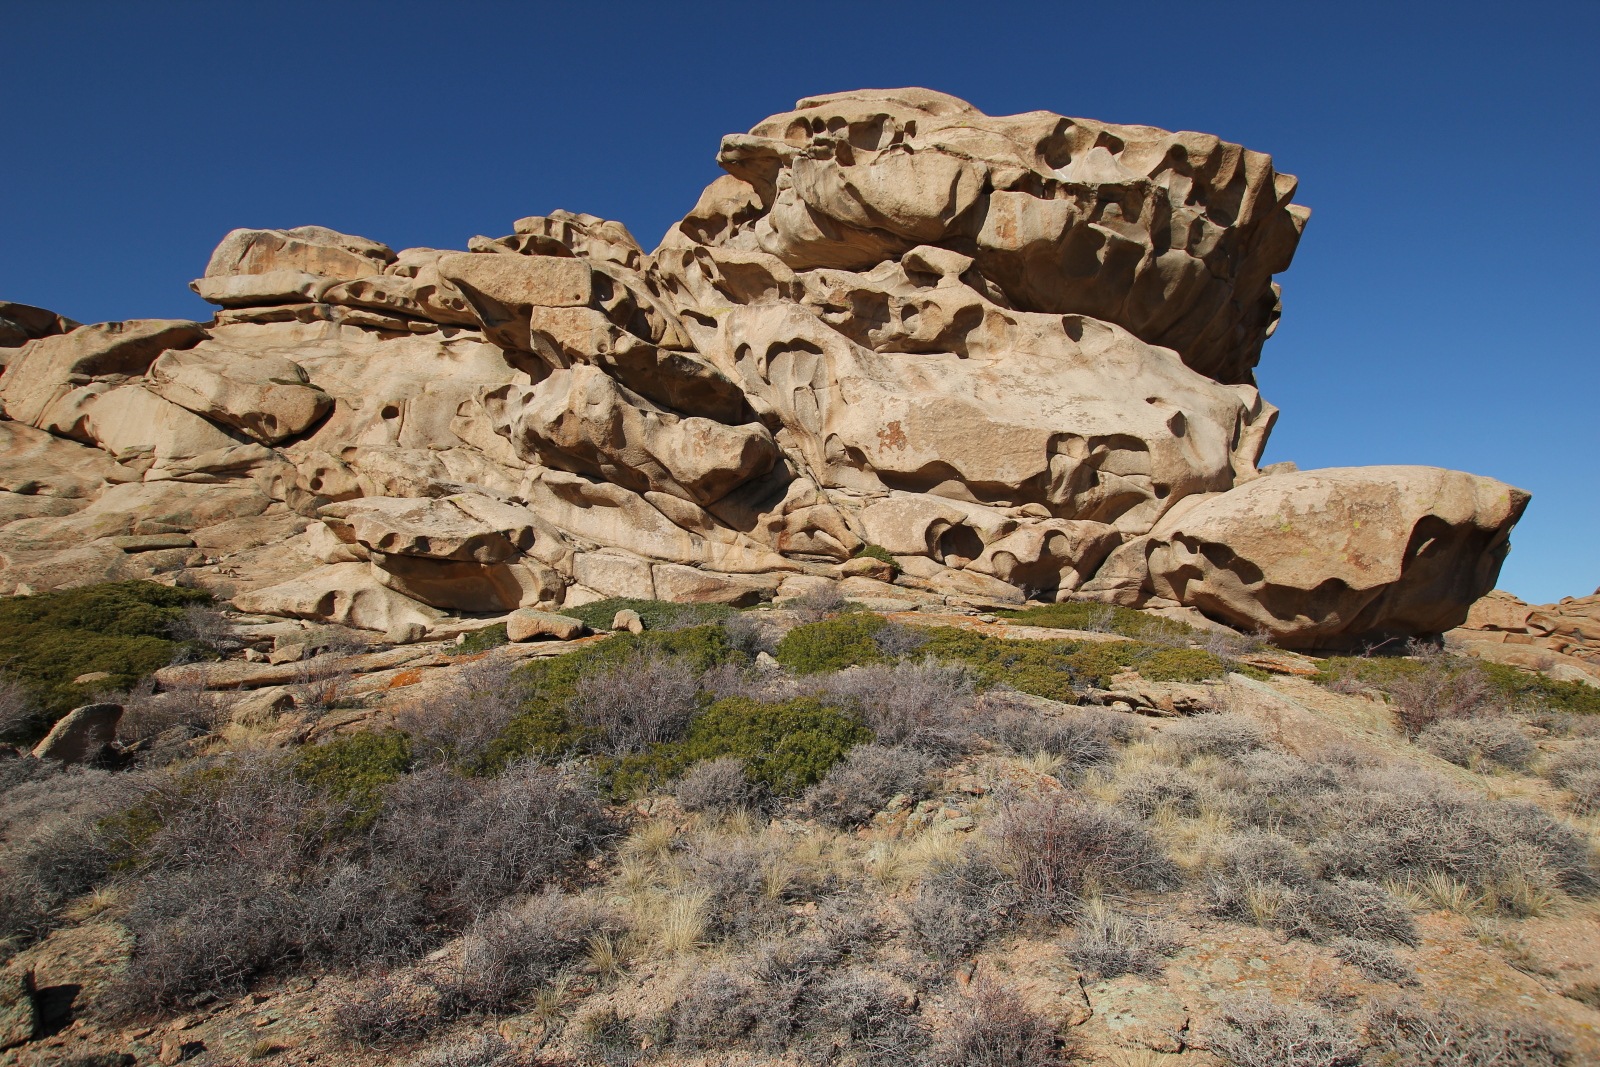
[1060,847]
[122,628]
[1433,685]
[250,865]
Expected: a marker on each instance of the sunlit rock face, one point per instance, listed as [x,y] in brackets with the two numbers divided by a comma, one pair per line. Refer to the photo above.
[1018,352]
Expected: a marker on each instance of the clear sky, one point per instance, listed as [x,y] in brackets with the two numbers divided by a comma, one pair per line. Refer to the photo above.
[1441,309]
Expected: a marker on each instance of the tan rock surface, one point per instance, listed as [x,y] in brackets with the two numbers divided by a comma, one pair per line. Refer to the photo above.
[1353,552]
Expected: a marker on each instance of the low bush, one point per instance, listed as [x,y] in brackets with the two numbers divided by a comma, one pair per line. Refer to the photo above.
[655,614]
[1258,1031]
[354,769]
[459,725]
[52,846]
[642,700]
[748,883]
[1222,734]
[718,787]
[1472,742]
[249,865]
[857,787]
[925,705]
[994,1028]
[1373,959]
[799,994]
[1394,825]
[784,747]
[1456,1036]
[121,628]
[1578,771]
[1083,740]
[1100,618]
[1156,786]
[386,1011]
[818,604]
[1271,789]
[1060,846]
[485,1049]
[879,553]
[545,728]
[960,904]
[509,954]
[1439,685]
[832,644]
[1106,943]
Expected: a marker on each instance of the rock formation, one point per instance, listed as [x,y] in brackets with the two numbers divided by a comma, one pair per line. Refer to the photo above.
[1015,351]
[1562,640]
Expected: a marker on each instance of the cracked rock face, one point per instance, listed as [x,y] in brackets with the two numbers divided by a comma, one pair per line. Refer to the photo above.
[1015,351]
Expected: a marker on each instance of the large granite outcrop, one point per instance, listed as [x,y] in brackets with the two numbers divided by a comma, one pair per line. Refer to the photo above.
[1015,351]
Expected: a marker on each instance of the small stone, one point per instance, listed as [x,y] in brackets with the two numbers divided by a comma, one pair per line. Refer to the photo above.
[405,633]
[254,655]
[91,678]
[629,620]
[287,653]
[765,662]
[867,567]
[988,618]
[525,624]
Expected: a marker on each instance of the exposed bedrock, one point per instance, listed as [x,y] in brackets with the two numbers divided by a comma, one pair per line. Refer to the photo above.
[1016,352]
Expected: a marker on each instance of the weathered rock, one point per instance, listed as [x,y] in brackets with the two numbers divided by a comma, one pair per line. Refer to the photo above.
[1338,555]
[1174,236]
[267,397]
[582,421]
[36,462]
[82,735]
[313,250]
[44,371]
[526,624]
[346,593]
[21,323]
[629,620]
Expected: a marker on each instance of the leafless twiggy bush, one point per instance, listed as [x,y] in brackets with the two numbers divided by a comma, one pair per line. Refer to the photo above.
[1149,788]
[994,1028]
[644,700]
[1260,1032]
[1447,687]
[483,1049]
[924,705]
[1057,846]
[719,787]
[1373,959]
[1578,771]
[858,786]
[1083,740]
[897,640]
[817,604]
[17,709]
[1220,733]
[1274,790]
[1456,1036]
[458,726]
[206,626]
[960,904]
[1472,742]
[510,953]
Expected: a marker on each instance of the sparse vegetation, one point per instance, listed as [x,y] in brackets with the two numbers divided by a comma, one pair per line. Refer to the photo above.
[1095,617]
[1428,684]
[1258,1031]
[1455,1036]
[994,1028]
[655,614]
[480,641]
[1472,743]
[858,786]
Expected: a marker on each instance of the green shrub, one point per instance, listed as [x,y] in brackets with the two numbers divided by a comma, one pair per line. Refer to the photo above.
[121,628]
[655,614]
[545,729]
[355,768]
[1100,618]
[1051,668]
[1515,687]
[832,644]
[878,552]
[785,747]
[482,640]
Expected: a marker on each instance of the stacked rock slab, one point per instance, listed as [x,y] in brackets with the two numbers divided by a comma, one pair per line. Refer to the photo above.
[1017,352]
[1561,639]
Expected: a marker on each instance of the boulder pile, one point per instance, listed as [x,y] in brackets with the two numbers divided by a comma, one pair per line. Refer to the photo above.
[1015,352]
[1561,640]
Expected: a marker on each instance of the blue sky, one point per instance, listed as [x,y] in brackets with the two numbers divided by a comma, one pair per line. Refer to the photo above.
[1440,309]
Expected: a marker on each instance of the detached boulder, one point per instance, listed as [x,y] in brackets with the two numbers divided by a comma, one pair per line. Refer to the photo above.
[527,624]
[264,395]
[1338,556]
[82,735]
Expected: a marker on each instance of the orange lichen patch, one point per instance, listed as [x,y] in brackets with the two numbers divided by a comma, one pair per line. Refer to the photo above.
[405,678]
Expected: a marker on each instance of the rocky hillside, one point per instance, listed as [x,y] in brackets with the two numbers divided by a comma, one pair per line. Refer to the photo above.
[857,633]
[1013,355]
